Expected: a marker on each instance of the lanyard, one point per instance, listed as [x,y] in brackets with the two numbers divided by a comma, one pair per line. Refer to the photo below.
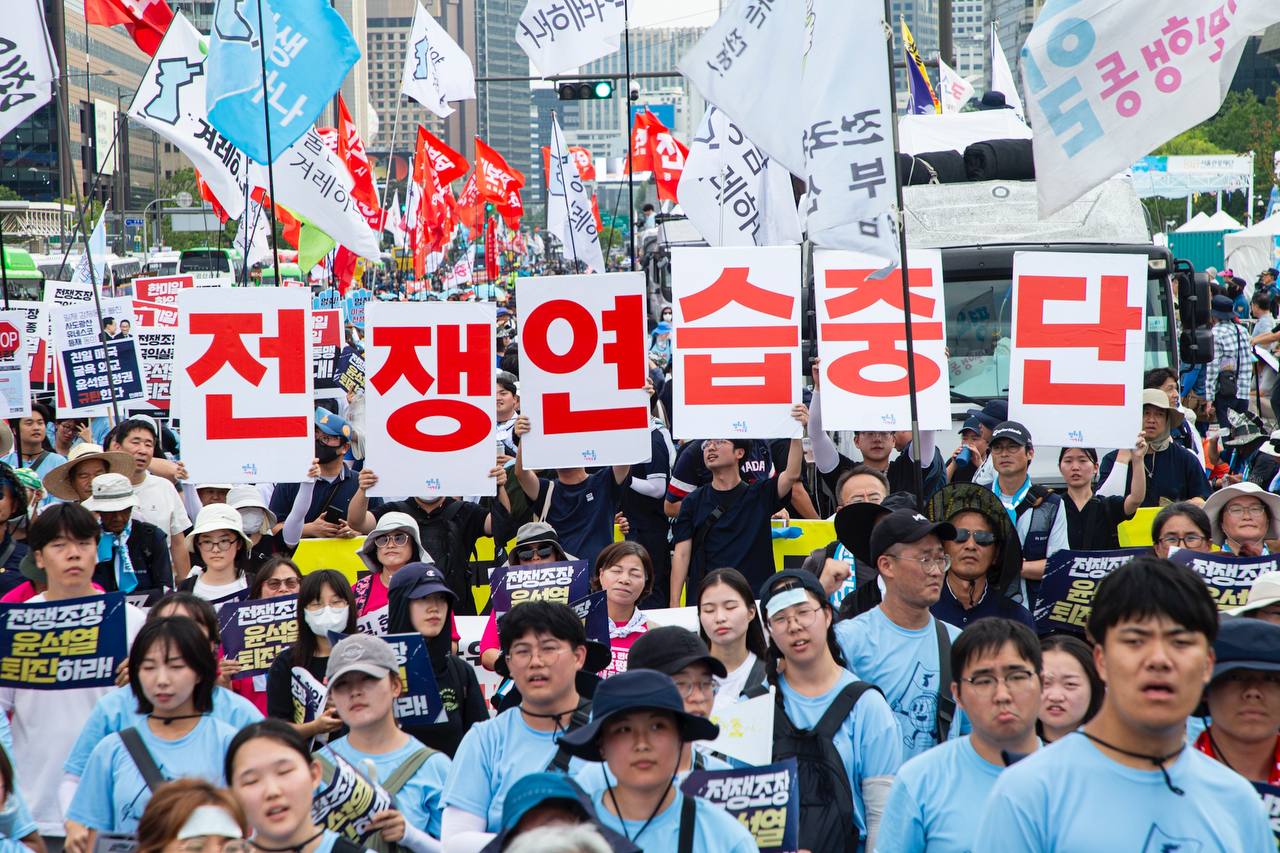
[1011,505]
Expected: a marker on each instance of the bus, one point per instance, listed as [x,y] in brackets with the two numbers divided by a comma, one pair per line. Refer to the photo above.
[210,262]
[24,279]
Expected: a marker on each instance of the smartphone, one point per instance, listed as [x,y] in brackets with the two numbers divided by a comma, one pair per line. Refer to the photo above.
[333,515]
[502,447]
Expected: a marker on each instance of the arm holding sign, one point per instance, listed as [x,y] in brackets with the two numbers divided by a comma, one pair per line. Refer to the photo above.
[528,480]
[359,518]
[795,458]
[1137,477]
[502,507]
[825,454]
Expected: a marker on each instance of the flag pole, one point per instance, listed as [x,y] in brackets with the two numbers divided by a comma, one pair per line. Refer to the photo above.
[631,166]
[917,475]
[391,153]
[556,135]
[266,118]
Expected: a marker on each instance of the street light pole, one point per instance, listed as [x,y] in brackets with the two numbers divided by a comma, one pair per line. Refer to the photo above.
[146,244]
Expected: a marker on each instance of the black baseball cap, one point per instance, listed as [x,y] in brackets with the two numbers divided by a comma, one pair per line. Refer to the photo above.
[421,579]
[1013,431]
[670,649]
[905,526]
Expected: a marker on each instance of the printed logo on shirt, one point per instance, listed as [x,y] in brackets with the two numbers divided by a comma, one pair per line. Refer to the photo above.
[590,497]
[1159,841]
[917,708]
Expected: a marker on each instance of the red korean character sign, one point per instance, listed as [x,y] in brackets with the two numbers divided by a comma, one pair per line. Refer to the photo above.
[583,366]
[736,351]
[1075,367]
[244,387]
[431,382]
[862,341]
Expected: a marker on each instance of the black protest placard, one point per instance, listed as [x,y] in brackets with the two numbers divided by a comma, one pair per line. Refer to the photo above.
[765,800]
[62,645]
[419,704]
[1228,577]
[347,801]
[1070,582]
[255,632]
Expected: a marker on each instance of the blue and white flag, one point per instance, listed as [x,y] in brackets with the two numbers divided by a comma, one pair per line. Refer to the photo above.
[309,53]
[97,252]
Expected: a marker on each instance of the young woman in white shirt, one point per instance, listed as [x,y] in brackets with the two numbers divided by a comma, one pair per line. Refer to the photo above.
[730,626]
[218,538]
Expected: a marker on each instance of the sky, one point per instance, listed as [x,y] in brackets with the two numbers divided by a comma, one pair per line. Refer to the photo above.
[673,13]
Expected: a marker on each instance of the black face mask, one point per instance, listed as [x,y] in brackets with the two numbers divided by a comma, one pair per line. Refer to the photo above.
[325,453]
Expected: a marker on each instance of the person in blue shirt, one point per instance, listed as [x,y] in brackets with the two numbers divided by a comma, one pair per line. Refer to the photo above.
[1128,780]
[896,645]
[171,674]
[639,728]
[543,647]
[995,669]
[273,776]
[187,814]
[550,802]
[18,829]
[800,622]
[364,681]
[31,447]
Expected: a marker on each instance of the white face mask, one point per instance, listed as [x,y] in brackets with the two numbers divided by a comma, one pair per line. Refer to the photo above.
[326,619]
[251,519]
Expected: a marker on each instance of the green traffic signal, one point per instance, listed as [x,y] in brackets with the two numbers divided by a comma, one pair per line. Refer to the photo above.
[604,89]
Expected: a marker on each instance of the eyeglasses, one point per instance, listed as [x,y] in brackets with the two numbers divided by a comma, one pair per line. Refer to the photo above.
[223,543]
[548,653]
[803,617]
[941,563]
[277,584]
[706,688]
[981,537]
[331,440]
[1188,540]
[1014,679]
[528,552]
[1246,510]
[387,539]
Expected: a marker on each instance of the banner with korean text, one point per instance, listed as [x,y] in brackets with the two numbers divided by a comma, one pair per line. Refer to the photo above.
[1076,357]
[862,341]
[15,376]
[155,307]
[1227,577]
[346,801]
[736,351]
[559,582]
[63,645]
[765,800]
[35,341]
[244,389]
[326,342]
[155,299]
[430,380]
[583,368]
[419,704]
[1071,580]
[97,357]
[255,632]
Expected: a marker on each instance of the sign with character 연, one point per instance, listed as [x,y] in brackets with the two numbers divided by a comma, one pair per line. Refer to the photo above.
[862,341]
[244,384]
[1075,366]
[430,380]
[583,368]
[737,342]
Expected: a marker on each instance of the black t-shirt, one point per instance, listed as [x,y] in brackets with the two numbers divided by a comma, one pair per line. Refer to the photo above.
[463,702]
[1173,474]
[642,511]
[740,538]
[689,472]
[1094,527]
[280,686]
[582,513]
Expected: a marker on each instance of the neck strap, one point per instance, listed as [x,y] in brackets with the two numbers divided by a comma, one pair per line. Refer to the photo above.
[295,848]
[1158,760]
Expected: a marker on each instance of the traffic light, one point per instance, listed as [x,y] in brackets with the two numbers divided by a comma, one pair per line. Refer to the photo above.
[596,90]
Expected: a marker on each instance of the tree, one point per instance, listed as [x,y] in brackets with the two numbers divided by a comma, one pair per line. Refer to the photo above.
[7,194]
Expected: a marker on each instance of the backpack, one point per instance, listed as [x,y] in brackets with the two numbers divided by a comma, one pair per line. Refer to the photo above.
[392,786]
[826,797]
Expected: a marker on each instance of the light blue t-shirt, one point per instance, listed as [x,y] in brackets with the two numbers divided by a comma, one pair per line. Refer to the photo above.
[867,741]
[489,760]
[1069,797]
[16,820]
[326,842]
[419,799]
[112,793]
[903,664]
[118,710]
[48,463]
[935,801]
[595,776]
[715,831]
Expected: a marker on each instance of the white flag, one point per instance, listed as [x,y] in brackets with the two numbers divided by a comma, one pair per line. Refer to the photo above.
[436,70]
[732,192]
[569,213]
[1109,82]
[753,61]
[97,249]
[253,237]
[561,36]
[26,59]
[954,90]
[1002,77]
[170,101]
[394,222]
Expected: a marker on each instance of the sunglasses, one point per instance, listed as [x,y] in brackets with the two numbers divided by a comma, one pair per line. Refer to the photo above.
[528,552]
[981,537]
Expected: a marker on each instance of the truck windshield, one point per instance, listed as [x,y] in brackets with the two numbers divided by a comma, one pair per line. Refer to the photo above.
[979,315]
[205,260]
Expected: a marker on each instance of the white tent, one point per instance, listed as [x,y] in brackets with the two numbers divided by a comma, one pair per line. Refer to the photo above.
[1253,250]
[1199,222]
[1223,221]
[957,131]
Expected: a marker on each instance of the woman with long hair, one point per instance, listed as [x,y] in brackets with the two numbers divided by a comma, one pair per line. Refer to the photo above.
[729,625]
[625,572]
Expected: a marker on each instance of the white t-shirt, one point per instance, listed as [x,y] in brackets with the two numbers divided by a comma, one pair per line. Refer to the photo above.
[732,684]
[45,726]
[160,504]
[214,592]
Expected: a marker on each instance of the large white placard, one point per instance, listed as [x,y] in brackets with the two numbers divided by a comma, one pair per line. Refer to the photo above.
[863,346]
[430,398]
[737,342]
[583,366]
[244,385]
[1075,370]
[15,382]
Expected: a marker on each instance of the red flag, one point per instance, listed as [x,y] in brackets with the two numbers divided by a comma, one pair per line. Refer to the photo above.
[641,143]
[146,20]
[449,164]
[344,268]
[494,177]
[429,225]
[470,205]
[581,158]
[291,226]
[207,195]
[351,151]
[491,250]
[654,149]
[512,209]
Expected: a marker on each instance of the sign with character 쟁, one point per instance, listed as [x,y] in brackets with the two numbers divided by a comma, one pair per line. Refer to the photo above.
[255,632]
[61,645]
[765,800]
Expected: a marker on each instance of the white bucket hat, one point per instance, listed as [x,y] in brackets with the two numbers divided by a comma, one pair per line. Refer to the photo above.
[248,497]
[1265,591]
[111,493]
[1218,501]
[389,523]
[217,517]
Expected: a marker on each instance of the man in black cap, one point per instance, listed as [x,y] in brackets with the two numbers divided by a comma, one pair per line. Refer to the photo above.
[971,453]
[1036,512]
[1228,378]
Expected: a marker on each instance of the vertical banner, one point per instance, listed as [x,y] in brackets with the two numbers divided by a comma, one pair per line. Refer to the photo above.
[35,339]
[1075,366]
[97,361]
[583,367]
[326,341]
[862,342]
[244,394]
[15,376]
[430,380]
[737,342]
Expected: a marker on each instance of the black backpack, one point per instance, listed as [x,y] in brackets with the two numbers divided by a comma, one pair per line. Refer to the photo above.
[826,799]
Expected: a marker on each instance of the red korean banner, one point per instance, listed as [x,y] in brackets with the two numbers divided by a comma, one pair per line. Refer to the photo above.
[449,164]
[583,366]
[1075,368]
[155,299]
[736,348]
[431,381]
[862,342]
[495,178]
[243,383]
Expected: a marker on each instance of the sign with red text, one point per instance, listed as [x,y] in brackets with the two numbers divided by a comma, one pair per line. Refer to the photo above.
[862,341]
[243,384]
[35,338]
[155,299]
[326,343]
[736,350]
[430,380]
[15,377]
[583,366]
[1075,367]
